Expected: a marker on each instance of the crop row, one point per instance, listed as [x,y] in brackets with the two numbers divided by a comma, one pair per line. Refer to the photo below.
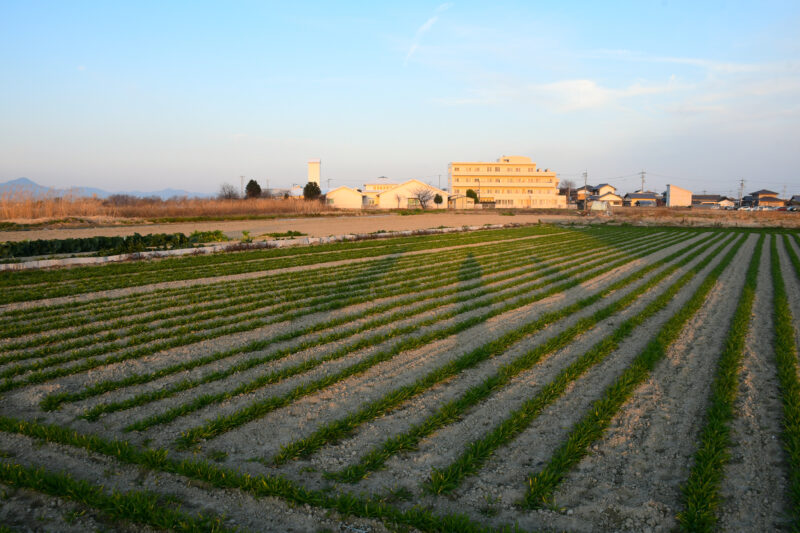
[454,294]
[787,365]
[259,408]
[590,428]
[176,340]
[342,351]
[701,491]
[97,308]
[260,295]
[27,286]
[456,408]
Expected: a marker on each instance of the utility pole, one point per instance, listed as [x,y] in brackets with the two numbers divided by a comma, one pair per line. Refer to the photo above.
[643,174]
[784,191]
[329,183]
[585,190]
[241,185]
[440,181]
[741,191]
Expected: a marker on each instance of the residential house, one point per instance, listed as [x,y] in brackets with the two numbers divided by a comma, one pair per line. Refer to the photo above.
[345,198]
[641,199]
[766,198]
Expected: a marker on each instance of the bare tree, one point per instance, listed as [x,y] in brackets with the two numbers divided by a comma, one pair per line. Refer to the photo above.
[424,195]
[567,187]
[228,192]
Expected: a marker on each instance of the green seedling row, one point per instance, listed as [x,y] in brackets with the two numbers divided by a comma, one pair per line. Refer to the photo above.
[455,409]
[411,306]
[242,307]
[260,407]
[701,496]
[38,370]
[592,426]
[140,507]
[789,383]
[44,316]
[67,282]
[257,486]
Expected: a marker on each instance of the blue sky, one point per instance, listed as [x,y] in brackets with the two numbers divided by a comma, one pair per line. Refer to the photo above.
[148,95]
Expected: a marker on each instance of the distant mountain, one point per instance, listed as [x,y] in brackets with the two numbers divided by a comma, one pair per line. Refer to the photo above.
[24,185]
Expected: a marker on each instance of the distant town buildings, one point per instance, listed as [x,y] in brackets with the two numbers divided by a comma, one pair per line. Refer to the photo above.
[509,182]
[411,194]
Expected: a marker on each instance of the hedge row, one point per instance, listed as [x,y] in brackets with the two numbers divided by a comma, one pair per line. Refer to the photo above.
[108,245]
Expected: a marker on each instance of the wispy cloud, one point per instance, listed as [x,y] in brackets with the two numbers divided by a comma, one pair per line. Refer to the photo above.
[727,67]
[573,95]
[424,29]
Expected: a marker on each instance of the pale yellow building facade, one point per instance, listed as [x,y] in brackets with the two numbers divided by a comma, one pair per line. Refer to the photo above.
[509,182]
[678,197]
[315,171]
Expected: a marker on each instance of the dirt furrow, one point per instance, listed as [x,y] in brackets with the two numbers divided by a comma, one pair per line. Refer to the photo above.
[346,396]
[240,509]
[754,486]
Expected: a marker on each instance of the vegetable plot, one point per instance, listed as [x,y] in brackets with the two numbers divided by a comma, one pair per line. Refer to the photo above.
[530,378]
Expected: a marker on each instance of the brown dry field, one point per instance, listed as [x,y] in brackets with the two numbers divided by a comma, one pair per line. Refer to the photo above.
[367,223]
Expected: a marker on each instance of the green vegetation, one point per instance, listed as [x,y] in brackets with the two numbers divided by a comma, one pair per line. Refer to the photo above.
[786,362]
[303,373]
[140,507]
[701,492]
[591,427]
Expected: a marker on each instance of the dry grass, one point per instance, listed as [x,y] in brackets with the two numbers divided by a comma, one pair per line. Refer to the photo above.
[26,206]
[707,217]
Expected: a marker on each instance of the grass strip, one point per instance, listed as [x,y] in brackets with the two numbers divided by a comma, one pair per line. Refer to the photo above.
[136,506]
[259,486]
[340,429]
[701,491]
[259,408]
[591,427]
[479,451]
[786,362]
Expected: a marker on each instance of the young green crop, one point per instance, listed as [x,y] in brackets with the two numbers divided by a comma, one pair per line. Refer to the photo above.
[258,408]
[591,427]
[140,507]
[258,486]
[448,413]
[786,362]
[411,306]
[701,493]
[454,409]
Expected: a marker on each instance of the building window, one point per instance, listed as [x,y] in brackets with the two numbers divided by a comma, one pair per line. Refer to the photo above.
[457,169]
[497,169]
[518,169]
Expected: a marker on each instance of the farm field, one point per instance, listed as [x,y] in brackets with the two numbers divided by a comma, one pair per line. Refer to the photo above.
[556,378]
